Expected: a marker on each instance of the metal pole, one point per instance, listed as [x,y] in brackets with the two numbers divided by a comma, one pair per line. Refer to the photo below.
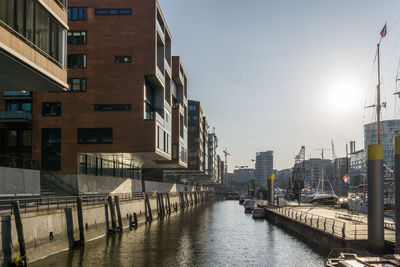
[397,190]
[375,198]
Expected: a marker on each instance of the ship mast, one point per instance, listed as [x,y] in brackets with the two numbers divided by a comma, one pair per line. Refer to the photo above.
[378,98]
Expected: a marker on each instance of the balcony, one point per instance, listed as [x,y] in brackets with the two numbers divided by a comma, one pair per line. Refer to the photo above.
[14,95]
[167,67]
[160,30]
[160,74]
[154,115]
[182,77]
[15,116]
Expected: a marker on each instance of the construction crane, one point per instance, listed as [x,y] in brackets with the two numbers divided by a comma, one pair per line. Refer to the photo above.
[298,173]
[226,162]
[335,178]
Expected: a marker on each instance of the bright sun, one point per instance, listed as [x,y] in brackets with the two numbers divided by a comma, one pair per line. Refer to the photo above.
[344,97]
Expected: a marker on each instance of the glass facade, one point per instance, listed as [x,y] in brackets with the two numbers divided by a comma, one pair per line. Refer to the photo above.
[35,25]
[95,165]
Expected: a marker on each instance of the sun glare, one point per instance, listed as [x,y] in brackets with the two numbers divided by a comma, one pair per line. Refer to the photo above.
[343,97]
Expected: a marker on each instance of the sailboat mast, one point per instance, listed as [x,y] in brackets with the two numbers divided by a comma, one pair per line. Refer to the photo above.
[378,99]
[322,171]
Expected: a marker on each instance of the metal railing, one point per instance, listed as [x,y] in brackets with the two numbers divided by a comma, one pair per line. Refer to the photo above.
[344,230]
[47,203]
[16,162]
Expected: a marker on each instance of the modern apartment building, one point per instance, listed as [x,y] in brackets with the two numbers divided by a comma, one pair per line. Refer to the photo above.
[213,156]
[32,48]
[196,144]
[243,175]
[389,128]
[205,145]
[125,112]
[264,165]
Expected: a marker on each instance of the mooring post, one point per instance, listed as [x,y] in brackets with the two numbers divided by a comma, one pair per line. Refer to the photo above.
[130,221]
[80,220]
[135,220]
[271,178]
[397,190]
[107,217]
[145,208]
[181,200]
[120,226]
[169,204]
[112,213]
[375,198]
[158,205]
[191,198]
[149,208]
[20,229]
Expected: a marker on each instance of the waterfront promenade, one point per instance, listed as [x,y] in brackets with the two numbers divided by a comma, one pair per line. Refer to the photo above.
[341,227]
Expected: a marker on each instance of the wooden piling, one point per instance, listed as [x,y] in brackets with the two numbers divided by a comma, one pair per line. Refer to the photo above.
[107,217]
[169,204]
[135,219]
[120,226]
[112,213]
[80,221]
[20,229]
[130,221]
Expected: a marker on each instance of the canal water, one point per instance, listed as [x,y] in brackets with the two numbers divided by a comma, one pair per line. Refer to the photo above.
[214,234]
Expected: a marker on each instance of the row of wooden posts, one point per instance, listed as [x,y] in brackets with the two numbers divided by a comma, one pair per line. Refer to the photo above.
[186,199]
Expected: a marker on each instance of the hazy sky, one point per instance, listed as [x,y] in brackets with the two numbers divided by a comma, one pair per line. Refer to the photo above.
[275,75]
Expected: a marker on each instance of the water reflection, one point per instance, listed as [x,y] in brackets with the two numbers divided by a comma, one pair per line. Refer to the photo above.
[215,234]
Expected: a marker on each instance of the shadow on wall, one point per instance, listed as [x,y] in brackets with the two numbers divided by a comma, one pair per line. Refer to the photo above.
[6,239]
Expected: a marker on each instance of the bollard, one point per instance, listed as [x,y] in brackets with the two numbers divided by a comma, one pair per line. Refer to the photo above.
[135,220]
[397,190]
[116,199]
[20,229]
[80,220]
[112,213]
[375,198]
[271,178]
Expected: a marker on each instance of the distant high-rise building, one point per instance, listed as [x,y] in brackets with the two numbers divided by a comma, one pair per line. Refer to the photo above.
[264,165]
[243,175]
[212,156]
[388,130]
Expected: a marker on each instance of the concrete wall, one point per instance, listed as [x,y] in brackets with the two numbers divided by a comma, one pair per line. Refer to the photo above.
[39,225]
[90,184]
[16,181]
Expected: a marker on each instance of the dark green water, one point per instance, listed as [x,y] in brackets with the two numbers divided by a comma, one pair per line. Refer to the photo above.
[215,234]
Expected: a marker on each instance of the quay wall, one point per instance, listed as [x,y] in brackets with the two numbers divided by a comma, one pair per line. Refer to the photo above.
[19,182]
[48,232]
[322,241]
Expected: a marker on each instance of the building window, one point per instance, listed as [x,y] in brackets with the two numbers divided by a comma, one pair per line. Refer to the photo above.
[76,37]
[95,135]
[117,107]
[36,25]
[120,11]
[14,106]
[51,149]
[77,13]
[76,61]
[51,109]
[192,108]
[123,59]
[77,84]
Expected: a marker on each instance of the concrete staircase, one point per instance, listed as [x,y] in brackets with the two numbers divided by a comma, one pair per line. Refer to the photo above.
[46,191]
